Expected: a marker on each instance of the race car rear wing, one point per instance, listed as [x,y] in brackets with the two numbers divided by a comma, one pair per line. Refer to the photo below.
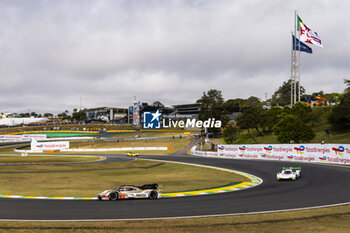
[149,186]
[291,168]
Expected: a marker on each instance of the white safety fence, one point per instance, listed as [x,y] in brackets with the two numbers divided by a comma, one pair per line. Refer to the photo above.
[97,149]
[23,137]
[116,149]
[320,153]
[38,137]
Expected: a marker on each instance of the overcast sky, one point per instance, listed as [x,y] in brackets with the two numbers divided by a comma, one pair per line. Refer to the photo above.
[52,53]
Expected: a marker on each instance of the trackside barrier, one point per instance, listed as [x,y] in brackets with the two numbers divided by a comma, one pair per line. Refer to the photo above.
[141,138]
[99,149]
[19,138]
[318,153]
[55,131]
[23,137]
[118,149]
[203,153]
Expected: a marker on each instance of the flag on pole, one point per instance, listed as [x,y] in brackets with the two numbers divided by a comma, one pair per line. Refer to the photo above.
[303,47]
[307,35]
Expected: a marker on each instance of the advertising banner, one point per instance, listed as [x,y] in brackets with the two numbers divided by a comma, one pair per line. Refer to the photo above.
[330,153]
[136,114]
[35,136]
[320,153]
[24,137]
[119,149]
[48,146]
[203,153]
[11,137]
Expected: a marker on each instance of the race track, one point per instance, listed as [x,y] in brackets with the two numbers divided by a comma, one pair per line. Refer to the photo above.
[319,185]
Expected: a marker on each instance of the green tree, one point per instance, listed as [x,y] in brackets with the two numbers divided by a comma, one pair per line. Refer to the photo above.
[231,134]
[269,118]
[251,115]
[292,129]
[282,96]
[250,118]
[302,110]
[340,116]
[212,106]
[24,115]
[233,105]
[64,115]
[251,102]
[333,98]
[78,115]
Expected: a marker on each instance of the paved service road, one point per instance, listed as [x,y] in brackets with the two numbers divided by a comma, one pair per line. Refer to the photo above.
[318,185]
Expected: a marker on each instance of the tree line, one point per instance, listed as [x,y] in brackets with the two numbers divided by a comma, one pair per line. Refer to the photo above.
[289,124]
[76,116]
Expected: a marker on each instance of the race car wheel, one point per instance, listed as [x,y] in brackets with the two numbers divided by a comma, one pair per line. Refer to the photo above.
[153,195]
[113,196]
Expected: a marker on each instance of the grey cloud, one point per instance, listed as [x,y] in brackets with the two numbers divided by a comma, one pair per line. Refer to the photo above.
[54,52]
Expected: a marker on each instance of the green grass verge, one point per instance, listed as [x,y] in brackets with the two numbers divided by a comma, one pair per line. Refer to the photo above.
[54,135]
[150,134]
[68,127]
[90,179]
[176,144]
[17,159]
[313,221]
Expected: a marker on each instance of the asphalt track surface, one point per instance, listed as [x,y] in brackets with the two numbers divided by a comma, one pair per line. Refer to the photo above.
[319,185]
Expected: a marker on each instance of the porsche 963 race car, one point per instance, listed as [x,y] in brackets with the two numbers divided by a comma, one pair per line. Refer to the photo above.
[150,191]
[289,173]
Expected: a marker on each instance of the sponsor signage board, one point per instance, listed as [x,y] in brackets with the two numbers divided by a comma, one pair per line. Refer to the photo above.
[35,136]
[11,137]
[324,153]
[136,114]
[48,146]
[23,137]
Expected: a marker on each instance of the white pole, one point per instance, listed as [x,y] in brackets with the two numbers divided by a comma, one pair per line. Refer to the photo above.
[295,57]
[298,62]
[291,75]
[299,73]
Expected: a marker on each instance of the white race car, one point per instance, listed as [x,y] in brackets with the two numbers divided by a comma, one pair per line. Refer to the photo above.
[289,173]
[150,191]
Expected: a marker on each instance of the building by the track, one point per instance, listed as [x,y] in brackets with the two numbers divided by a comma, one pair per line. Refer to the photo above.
[189,110]
[107,114]
[125,115]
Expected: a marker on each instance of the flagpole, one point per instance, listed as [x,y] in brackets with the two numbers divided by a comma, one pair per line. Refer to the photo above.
[299,70]
[294,65]
[298,63]
[291,73]
[295,57]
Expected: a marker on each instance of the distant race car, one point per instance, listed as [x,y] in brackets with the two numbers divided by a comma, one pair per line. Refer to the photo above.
[150,191]
[132,154]
[289,173]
